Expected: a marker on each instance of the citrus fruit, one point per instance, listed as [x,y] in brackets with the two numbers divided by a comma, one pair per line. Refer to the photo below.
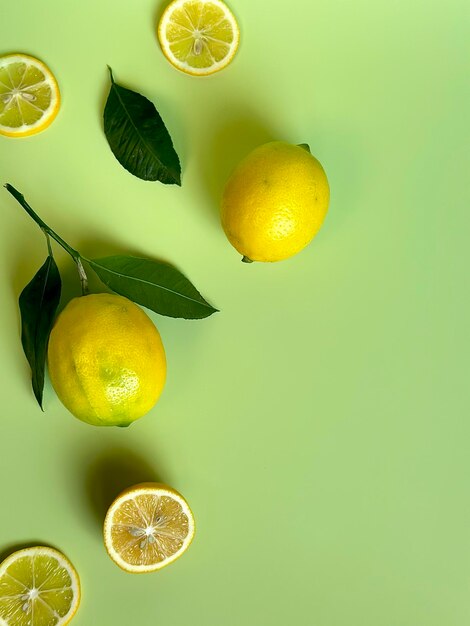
[29,95]
[274,202]
[147,527]
[198,37]
[38,587]
[106,360]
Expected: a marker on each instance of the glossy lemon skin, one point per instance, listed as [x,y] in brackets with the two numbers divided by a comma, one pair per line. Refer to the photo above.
[106,360]
[275,202]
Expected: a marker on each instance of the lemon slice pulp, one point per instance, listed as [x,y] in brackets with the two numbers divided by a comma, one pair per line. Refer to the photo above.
[199,37]
[147,527]
[29,95]
[38,587]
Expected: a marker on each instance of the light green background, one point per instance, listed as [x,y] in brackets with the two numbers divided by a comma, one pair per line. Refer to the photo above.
[318,425]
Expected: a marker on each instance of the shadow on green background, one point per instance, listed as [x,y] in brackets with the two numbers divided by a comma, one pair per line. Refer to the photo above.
[241,133]
[15,547]
[111,472]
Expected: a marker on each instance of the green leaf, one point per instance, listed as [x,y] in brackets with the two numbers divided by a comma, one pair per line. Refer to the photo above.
[153,284]
[38,304]
[138,137]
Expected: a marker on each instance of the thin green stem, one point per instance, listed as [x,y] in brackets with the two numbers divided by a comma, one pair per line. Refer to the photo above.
[42,225]
[48,232]
[83,277]
[48,239]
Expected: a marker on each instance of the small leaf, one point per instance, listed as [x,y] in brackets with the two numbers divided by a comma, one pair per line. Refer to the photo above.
[153,284]
[38,303]
[138,137]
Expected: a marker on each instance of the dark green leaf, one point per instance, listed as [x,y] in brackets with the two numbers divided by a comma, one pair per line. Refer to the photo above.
[153,284]
[38,303]
[138,137]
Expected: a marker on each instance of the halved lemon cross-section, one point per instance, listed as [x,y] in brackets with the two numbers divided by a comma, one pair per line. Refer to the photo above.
[198,37]
[38,587]
[29,95]
[147,527]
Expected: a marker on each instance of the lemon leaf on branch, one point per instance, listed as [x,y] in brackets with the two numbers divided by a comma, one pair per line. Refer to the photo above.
[38,304]
[154,284]
[138,136]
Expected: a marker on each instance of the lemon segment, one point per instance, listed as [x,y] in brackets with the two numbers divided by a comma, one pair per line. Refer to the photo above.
[198,37]
[29,96]
[106,360]
[147,527]
[38,587]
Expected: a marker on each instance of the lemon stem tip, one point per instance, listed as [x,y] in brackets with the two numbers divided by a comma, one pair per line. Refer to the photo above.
[246,260]
[83,277]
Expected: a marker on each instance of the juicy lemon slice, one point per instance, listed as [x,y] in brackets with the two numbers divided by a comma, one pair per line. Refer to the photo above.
[199,37]
[147,527]
[38,587]
[29,96]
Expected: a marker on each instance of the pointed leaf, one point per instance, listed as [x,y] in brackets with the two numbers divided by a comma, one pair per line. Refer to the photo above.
[153,284]
[138,137]
[38,303]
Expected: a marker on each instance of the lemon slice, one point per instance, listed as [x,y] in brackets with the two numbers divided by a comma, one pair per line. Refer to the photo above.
[29,96]
[199,37]
[147,527]
[38,587]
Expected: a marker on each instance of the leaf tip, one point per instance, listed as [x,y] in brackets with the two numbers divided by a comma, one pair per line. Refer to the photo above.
[38,396]
[110,73]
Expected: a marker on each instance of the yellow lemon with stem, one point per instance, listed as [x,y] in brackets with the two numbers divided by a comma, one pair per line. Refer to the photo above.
[106,360]
[275,202]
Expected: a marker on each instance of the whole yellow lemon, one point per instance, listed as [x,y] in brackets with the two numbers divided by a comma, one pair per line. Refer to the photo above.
[106,360]
[275,202]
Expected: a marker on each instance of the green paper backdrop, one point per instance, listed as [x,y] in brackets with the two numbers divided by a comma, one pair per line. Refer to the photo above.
[319,424]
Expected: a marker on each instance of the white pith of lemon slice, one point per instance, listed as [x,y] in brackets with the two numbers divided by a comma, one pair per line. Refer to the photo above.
[29,95]
[147,527]
[38,587]
[198,37]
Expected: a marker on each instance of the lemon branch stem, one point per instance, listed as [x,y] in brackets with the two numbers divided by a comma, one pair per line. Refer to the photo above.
[48,232]
[83,277]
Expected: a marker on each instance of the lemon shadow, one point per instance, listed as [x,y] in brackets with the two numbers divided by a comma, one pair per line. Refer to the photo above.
[242,131]
[110,473]
[159,9]
[15,547]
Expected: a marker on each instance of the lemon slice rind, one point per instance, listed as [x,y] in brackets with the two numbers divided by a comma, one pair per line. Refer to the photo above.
[48,114]
[150,489]
[63,562]
[185,67]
